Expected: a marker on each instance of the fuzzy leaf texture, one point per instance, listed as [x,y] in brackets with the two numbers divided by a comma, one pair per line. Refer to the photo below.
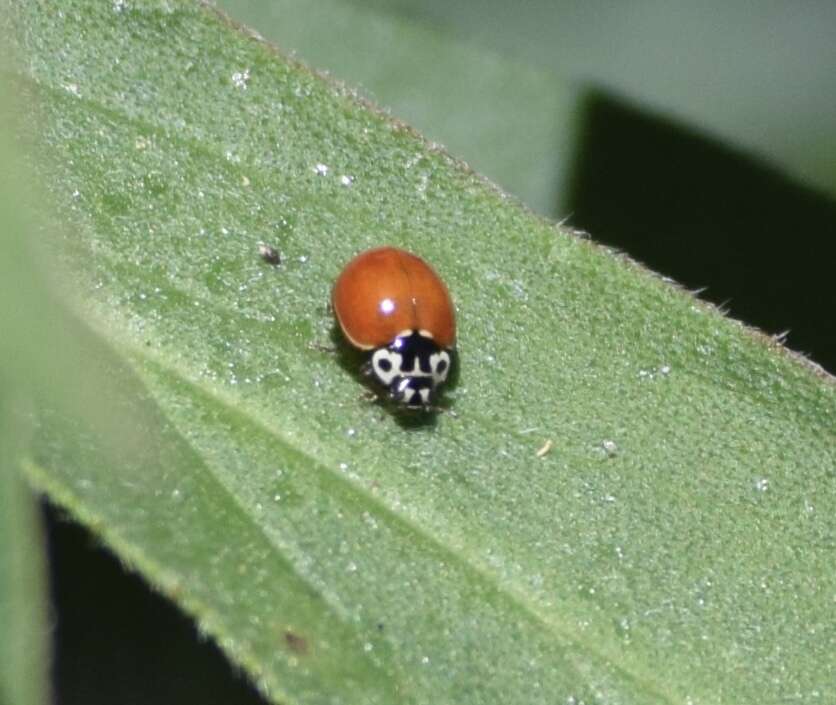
[674,545]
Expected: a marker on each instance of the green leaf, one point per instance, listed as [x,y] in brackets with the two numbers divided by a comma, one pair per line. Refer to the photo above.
[674,543]
[512,122]
[22,603]
[23,623]
[730,70]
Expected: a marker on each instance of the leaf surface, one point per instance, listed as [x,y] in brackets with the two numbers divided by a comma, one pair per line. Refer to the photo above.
[675,544]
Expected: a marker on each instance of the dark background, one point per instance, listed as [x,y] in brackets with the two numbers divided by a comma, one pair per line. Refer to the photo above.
[758,244]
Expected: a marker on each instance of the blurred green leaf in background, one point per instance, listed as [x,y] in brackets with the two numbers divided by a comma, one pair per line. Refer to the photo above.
[633,503]
[758,76]
[23,606]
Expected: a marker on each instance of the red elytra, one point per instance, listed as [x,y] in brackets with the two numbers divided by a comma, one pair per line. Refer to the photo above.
[386,291]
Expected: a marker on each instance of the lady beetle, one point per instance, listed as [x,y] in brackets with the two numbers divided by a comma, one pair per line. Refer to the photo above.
[391,302]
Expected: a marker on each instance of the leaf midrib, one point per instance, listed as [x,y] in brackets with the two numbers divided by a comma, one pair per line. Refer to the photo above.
[514,596]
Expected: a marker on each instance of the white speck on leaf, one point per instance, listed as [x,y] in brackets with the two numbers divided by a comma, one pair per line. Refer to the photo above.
[321,169]
[423,183]
[545,448]
[241,78]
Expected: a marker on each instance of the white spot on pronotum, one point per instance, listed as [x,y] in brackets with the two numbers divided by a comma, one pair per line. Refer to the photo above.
[241,78]
[386,365]
[440,366]
[321,169]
